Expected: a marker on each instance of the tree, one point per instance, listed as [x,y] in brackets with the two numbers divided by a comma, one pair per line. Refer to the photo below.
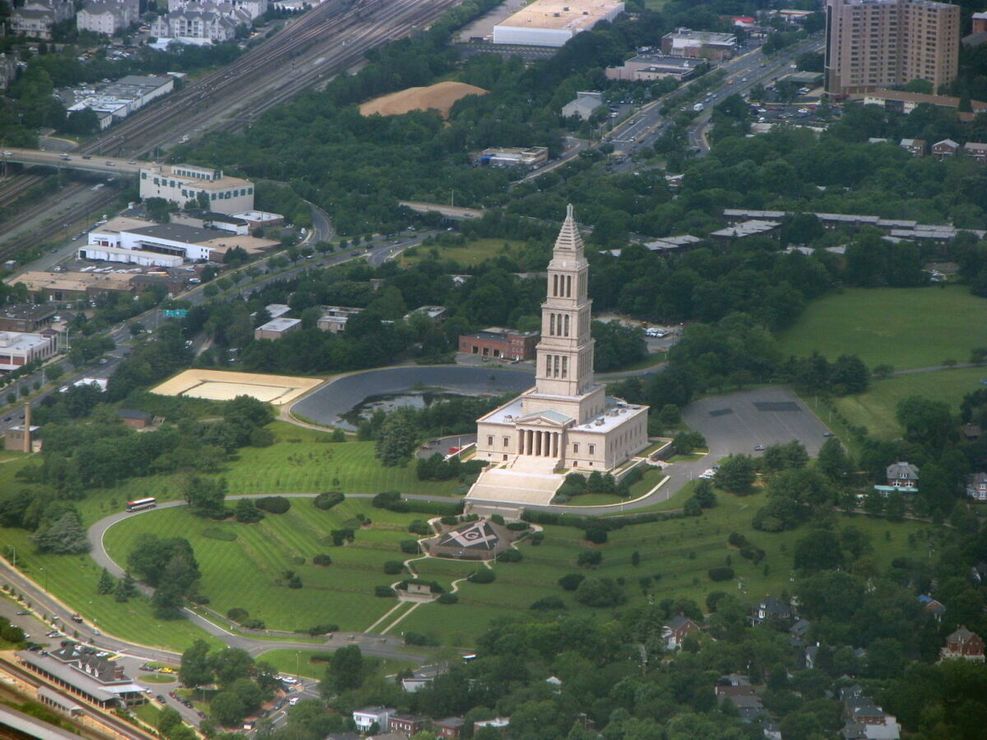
[600,592]
[206,496]
[396,439]
[345,671]
[107,583]
[196,669]
[736,474]
[927,422]
[231,664]
[818,550]
[227,708]
[63,537]
[833,461]
[247,512]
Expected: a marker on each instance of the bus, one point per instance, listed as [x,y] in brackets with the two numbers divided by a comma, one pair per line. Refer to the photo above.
[141,504]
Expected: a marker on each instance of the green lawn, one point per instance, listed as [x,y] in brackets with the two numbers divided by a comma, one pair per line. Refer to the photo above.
[902,327]
[300,461]
[247,571]
[73,579]
[650,479]
[677,554]
[468,255]
[875,409]
[296,662]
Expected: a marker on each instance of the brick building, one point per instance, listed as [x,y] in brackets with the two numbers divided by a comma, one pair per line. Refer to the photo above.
[500,343]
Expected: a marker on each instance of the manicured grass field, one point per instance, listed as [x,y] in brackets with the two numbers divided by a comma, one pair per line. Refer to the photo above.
[468,255]
[248,571]
[300,461]
[73,579]
[676,554]
[875,409]
[902,327]
[649,481]
[296,662]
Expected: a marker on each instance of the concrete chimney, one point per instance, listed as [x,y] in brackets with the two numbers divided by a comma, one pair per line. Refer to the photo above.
[27,427]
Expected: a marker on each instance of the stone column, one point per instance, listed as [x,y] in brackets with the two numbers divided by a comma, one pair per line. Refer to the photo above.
[520,442]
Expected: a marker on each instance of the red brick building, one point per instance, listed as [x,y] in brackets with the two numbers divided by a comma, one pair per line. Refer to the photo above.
[964,644]
[500,343]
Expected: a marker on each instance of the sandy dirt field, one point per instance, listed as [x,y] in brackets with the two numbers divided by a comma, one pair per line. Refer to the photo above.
[440,96]
[220,385]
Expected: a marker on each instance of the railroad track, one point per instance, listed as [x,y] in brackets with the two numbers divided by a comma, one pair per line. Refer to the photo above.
[339,32]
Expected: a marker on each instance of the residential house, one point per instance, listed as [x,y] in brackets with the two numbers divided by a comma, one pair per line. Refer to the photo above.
[964,645]
[933,607]
[585,104]
[903,476]
[107,17]
[8,69]
[407,724]
[976,486]
[37,17]
[971,432]
[976,150]
[423,676]
[195,24]
[135,419]
[737,690]
[676,630]
[864,720]
[771,609]
[915,147]
[367,717]
[497,723]
[450,727]
[945,148]
[799,632]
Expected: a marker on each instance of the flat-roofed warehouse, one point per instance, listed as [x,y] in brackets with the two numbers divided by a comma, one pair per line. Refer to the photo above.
[554,22]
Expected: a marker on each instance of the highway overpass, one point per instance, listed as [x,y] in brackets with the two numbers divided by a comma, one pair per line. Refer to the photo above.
[72,161]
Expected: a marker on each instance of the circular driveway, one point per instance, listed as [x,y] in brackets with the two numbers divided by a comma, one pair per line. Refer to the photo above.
[327,404]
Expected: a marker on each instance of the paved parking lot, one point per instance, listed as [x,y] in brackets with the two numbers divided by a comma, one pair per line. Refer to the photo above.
[738,422]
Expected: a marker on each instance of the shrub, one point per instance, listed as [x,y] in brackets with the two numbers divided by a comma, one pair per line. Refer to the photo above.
[450,521]
[571,581]
[322,629]
[510,556]
[448,598]
[390,500]
[273,504]
[409,547]
[383,591]
[237,614]
[483,575]
[589,558]
[322,559]
[326,501]
[393,567]
[417,638]
[721,573]
[518,526]
[420,527]
[547,604]
[596,535]
[339,536]
[537,538]
[247,512]
[254,624]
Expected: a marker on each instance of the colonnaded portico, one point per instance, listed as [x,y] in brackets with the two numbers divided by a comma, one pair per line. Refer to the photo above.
[566,422]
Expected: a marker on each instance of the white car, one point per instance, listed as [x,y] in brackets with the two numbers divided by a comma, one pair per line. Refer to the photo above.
[708,474]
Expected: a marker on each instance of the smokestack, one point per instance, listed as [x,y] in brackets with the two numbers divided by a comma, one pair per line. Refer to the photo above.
[27,427]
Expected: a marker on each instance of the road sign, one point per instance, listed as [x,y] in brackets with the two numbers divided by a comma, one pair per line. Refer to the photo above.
[175,313]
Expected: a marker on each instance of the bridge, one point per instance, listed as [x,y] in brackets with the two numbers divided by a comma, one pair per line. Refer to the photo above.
[72,161]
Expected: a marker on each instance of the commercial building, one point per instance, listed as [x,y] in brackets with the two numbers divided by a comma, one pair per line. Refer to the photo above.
[277,328]
[63,286]
[684,42]
[514,157]
[26,317]
[334,318]
[873,44]
[114,101]
[566,421]
[140,242]
[18,349]
[900,101]
[499,343]
[585,104]
[186,183]
[744,229]
[647,67]
[554,22]
[107,17]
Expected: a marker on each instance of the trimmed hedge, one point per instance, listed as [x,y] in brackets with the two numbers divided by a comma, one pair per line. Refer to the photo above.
[273,504]
[326,501]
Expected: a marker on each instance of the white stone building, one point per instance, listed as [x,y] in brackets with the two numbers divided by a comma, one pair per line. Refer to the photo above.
[36,17]
[566,423]
[182,183]
[18,349]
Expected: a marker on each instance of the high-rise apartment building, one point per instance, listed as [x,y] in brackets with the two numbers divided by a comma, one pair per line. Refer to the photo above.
[881,43]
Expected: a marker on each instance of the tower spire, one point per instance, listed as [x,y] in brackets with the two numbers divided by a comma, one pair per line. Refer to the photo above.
[569,241]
